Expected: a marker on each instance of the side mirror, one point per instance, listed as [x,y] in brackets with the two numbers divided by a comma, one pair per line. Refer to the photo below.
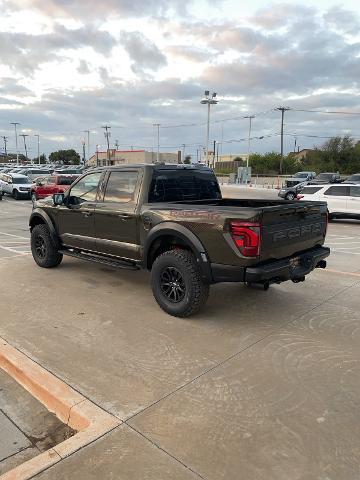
[58,198]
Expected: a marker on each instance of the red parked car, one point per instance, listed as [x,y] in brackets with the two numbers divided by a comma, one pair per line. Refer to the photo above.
[45,186]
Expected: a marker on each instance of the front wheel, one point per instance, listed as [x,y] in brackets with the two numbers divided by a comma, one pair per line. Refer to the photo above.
[177,284]
[43,248]
[16,195]
[33,197]
[290,196]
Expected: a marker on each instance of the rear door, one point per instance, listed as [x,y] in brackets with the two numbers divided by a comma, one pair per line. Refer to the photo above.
[353,200]
[336,198]
[116,223]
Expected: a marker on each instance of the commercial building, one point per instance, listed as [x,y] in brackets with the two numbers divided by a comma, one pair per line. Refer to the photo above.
[121,157]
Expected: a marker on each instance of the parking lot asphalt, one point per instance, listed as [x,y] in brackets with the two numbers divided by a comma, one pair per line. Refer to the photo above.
[259,385]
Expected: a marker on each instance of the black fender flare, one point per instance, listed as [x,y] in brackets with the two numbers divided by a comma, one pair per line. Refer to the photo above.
[188,237]
[40,214]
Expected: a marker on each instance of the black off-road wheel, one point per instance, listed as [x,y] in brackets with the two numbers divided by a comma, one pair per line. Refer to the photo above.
[43,248]
[290,196]
[177,284]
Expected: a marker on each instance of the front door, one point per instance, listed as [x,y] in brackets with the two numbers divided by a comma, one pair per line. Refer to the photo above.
[76,217]
[336,197]
[115,216]
[353,200]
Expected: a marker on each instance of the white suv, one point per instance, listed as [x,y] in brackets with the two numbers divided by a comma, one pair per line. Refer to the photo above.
[14,184]
[343,199]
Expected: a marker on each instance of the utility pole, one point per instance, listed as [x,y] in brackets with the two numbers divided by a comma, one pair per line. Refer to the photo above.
[183,153]
[107,134]
[24,135]
[38,146]
[5,142]
[16,141]
[214,154]
[88,143]
[250,117]
[207,100]
[157,125]
[83,150]
[97,155]
[282,110]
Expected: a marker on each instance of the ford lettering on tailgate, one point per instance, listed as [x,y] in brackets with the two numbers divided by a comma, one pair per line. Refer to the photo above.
[313,229]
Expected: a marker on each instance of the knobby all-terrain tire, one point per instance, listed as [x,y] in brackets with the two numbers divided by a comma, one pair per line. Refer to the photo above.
[196,290]
[43,248]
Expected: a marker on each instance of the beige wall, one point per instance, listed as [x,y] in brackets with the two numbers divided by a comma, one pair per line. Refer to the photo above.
[230,158]
[128,157]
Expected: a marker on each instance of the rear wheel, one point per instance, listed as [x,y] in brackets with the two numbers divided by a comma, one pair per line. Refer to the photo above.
[43,248]
[177,284]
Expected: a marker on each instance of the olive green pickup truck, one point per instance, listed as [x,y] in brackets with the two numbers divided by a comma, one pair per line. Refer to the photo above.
[173,221]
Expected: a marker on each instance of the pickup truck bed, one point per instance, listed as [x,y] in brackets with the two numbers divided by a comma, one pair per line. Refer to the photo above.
[173,221]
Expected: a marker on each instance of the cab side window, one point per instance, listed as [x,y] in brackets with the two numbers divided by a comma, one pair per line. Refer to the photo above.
[338,191]
[121,187]
[85,189]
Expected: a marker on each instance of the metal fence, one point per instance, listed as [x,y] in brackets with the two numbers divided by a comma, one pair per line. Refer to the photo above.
[257,181]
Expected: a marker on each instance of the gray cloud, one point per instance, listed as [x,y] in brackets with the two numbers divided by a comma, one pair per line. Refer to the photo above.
[24,52]
[95,9]
[143,52]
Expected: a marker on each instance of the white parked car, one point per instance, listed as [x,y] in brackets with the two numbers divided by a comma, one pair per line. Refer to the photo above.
[19,186]
[343,199]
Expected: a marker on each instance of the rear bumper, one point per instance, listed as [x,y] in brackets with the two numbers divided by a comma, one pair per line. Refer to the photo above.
[277,271]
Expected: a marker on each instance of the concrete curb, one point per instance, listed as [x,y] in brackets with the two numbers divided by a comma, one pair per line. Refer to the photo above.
[72,408]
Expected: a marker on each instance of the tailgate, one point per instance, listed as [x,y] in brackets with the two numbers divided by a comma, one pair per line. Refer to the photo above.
[288,229]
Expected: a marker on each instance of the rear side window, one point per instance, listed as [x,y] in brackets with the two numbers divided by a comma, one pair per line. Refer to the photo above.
[355,191]
[310,190]
[178,185]
[121,187]
[338,190]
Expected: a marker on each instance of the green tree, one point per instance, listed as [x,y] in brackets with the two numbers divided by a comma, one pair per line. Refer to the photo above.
[187,159]
[42,159]
[65,157]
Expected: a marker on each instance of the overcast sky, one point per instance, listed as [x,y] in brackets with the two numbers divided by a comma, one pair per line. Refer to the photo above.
[71,65]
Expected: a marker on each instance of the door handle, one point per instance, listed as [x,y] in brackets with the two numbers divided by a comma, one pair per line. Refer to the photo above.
[124,216]
[87,214]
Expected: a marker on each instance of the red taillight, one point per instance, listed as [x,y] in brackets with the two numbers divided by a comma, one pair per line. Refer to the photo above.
[247,238]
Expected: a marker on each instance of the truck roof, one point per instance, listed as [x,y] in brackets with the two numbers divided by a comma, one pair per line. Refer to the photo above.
[156,166]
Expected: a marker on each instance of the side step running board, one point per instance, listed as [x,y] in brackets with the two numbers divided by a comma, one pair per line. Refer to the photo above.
[99,259]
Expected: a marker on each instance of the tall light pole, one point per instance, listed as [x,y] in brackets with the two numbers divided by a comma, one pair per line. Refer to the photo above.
[250,117]
[157,125]
[282,110]
[24,135]
[88,142]
[38,146]
[16,141]
[208,100]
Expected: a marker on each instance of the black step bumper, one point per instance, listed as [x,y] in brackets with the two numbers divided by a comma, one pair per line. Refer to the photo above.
[290,268]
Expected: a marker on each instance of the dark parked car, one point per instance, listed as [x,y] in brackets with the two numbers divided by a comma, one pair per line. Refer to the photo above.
[291,193]
[353,179]
[325,178]
[173,221]
[299,177]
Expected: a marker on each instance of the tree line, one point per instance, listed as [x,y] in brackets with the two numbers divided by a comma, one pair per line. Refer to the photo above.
[338,154]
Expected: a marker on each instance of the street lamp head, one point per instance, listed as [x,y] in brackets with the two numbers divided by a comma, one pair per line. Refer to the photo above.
[207,93]
[214,95]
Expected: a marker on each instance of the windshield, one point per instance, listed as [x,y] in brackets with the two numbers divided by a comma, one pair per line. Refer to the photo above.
[301,175]
[21,180]
[325,176]
[354,177]
[177,185]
